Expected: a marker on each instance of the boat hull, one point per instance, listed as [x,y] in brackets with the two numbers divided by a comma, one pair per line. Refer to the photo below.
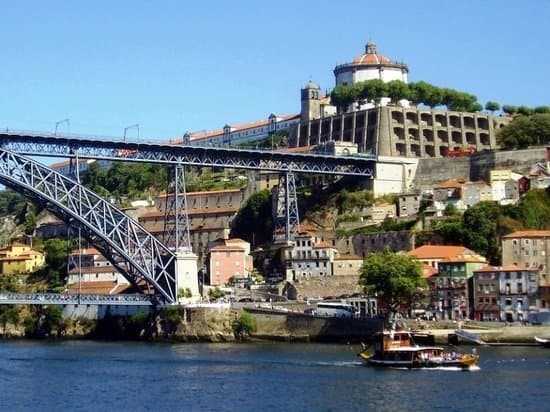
[465,362]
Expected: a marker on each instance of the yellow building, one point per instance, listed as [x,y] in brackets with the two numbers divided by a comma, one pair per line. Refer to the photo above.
[19,258]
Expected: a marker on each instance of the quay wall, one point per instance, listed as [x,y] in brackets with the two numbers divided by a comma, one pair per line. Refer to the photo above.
[290,326]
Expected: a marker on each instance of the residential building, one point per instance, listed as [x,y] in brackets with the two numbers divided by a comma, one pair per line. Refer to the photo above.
[508,185]
[232,135]
[228,258]
[408,204]
[530,249]
[20,258]
[433,254]
[448,193]
[377,213]
[307,257]
[91,273]
[347,265]
[452,289]
[475,192]
[504,293]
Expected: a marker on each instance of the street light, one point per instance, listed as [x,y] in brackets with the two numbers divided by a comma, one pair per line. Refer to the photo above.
[63,121]
[272,127]
[130,127]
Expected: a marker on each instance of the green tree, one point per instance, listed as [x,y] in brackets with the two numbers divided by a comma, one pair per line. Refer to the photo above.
[30,222]
[254,222]
[542,109]
[373,90]
[243,326]
[9,314]
[480,226]
[451,231]
[509,109]
[524,131]
[492,106]
[392,277]
[215,293]
[342,96]
[450,210]
[525,110]
[55,262]
[397,90]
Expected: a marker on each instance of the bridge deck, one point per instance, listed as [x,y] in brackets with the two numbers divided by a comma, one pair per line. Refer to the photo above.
[68,299]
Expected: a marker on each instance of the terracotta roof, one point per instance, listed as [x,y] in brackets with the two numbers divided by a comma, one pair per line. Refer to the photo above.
[234,240]
[205,192]
[507,268]
[94,269]
[121,289]
[528,233]
[191,212]
[437,251]
[91,288]
[239,128]
[371,58]
[450,184]
[221,248]
[299,149]
[88,251]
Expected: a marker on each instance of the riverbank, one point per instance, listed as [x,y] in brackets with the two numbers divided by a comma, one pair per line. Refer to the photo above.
[201,324]
[491,333]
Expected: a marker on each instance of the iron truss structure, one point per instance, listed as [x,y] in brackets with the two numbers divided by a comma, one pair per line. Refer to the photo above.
[44,144]
[147,263]
[72,299]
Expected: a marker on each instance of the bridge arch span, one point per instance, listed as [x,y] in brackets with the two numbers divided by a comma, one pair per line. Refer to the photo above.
[136,253]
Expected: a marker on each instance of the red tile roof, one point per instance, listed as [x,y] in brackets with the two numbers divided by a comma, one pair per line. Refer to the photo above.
[450,184]
[528,233]
[437,251]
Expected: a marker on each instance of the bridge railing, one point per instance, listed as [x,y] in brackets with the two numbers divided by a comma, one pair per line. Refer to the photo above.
[10,298]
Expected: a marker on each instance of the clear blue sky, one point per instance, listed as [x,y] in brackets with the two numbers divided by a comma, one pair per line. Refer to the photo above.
[177,66]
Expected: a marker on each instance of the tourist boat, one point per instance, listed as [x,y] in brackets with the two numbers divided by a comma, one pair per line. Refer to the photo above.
[543,342]
[397,349]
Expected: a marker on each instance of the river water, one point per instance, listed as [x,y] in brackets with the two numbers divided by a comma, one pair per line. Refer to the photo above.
[121,376]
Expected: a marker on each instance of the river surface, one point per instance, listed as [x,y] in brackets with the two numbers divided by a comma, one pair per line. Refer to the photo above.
[121,376]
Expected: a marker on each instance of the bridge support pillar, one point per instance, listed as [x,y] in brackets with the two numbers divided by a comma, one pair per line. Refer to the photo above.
[187,279]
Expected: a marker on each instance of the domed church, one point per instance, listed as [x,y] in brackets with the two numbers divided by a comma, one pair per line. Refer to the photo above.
[369,66]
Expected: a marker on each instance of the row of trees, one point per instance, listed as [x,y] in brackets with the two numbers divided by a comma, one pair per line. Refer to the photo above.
[420,93]
[524,131]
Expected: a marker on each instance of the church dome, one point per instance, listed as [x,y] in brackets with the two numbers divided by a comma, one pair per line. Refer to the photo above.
[370,65]
[370,56]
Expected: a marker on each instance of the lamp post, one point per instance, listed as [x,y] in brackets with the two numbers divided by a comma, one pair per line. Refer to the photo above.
[68,121]
[130,127]
[272,127]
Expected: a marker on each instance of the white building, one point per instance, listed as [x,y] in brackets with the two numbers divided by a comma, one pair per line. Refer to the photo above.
[232,135]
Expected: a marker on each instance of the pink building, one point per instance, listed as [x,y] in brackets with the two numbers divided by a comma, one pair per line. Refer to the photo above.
[229,258]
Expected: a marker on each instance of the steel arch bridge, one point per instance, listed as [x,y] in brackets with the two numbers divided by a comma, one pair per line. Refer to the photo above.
[137,254]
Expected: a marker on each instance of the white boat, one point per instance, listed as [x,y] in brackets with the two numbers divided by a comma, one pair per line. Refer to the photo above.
[543,342]
[396,349]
